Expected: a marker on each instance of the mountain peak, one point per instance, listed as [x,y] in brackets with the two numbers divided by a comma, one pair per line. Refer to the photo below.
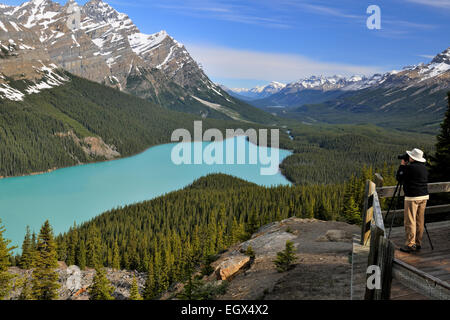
[443,57]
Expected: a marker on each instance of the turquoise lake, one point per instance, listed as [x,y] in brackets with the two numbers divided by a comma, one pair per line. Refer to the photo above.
[77,194]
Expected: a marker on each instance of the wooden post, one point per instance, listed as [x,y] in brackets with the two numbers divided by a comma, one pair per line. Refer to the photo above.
[385,260]
[379,181]
[367,214]
[376,234]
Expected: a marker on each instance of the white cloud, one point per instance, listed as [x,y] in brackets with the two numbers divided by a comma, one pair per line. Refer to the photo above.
[445,4]
[428,56]
[222,62]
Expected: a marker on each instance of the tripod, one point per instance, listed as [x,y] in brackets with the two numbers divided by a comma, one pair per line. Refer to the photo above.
[397,193]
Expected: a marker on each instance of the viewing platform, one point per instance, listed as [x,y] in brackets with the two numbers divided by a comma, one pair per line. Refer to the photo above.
[421,275]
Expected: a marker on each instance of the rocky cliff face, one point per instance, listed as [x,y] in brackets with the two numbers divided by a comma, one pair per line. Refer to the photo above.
[74,283]
[96,42]
[25,65]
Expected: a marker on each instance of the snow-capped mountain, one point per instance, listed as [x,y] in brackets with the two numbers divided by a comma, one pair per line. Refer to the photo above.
[24,58]
[107,47]
[322,83]
[258,92]
[318,89]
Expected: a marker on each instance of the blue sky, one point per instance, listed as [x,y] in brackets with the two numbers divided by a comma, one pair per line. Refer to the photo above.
[247,43]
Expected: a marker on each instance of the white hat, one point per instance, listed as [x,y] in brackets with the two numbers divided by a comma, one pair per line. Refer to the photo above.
[417,155]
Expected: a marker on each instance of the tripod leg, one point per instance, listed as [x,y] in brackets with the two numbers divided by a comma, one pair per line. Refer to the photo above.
[399,187]
[428,235]
[390,205]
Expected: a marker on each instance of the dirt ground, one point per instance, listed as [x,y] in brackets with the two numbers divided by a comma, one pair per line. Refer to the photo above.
[322,270]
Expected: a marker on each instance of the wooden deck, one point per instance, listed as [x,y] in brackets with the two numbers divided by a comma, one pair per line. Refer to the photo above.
[434,262]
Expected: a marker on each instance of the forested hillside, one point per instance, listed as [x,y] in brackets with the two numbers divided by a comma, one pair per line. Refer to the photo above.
[49,130]
[410,109]
[169,236]
[332,153]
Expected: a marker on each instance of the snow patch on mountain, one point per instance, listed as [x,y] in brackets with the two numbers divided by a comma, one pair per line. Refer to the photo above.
[144,43]
[50,78]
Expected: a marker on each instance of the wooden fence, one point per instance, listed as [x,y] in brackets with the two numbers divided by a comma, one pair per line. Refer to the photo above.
[382,250]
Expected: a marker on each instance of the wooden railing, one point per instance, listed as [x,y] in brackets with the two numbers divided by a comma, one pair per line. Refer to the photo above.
[382,250]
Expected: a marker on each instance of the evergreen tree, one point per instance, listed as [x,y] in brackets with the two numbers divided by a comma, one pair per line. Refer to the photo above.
[285,258]
[45,278]
[26,260]
[134,291]
[149,287]
[101,288]
[440,169]
[26,293]
[5,254]
[352,213]
[116,257]
[94,248]
[72,246]
[191,289]
[250,252]
[33,241]
[81,256]
[252,224]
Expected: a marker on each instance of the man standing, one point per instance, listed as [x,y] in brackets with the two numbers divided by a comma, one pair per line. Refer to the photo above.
[414,176]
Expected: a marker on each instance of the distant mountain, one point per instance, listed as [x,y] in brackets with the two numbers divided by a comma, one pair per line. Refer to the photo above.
[257,92]
[108,48]
[413,98]
[309,90]
[318,89]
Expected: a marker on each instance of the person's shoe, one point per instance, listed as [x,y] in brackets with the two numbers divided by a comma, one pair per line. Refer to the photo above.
[408,249]
[418,247]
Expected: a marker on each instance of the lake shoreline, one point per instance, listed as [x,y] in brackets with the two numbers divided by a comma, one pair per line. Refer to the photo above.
[119,158]
[79,193]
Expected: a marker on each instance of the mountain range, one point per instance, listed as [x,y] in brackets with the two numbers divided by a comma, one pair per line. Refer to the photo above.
[316,89]
[259,92]
[413,98]
[40,38]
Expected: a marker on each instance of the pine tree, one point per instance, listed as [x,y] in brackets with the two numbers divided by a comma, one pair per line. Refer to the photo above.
[26,293]
[440,169]
[101,288]
[252,224]
[149,287]
[26,260]
[81,255]
[352,213]
[134,291]
[5,254]
[94,248]
[72,246]
[250,252]
[285,258]
[191,289]
[116,257]
[45,277]
[33,241]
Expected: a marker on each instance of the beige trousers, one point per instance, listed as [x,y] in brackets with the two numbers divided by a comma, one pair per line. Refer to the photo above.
[414,221]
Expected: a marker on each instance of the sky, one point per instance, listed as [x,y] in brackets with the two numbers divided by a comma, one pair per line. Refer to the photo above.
[244,43]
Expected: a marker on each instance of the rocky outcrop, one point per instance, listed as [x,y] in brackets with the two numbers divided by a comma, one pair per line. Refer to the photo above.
[322,269]
[231,265]
[74,283]
[94,147]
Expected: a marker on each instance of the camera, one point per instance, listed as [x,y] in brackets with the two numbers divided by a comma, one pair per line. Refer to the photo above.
[404,157]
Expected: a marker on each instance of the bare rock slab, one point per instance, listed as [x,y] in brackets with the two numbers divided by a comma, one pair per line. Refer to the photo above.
[231,265]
